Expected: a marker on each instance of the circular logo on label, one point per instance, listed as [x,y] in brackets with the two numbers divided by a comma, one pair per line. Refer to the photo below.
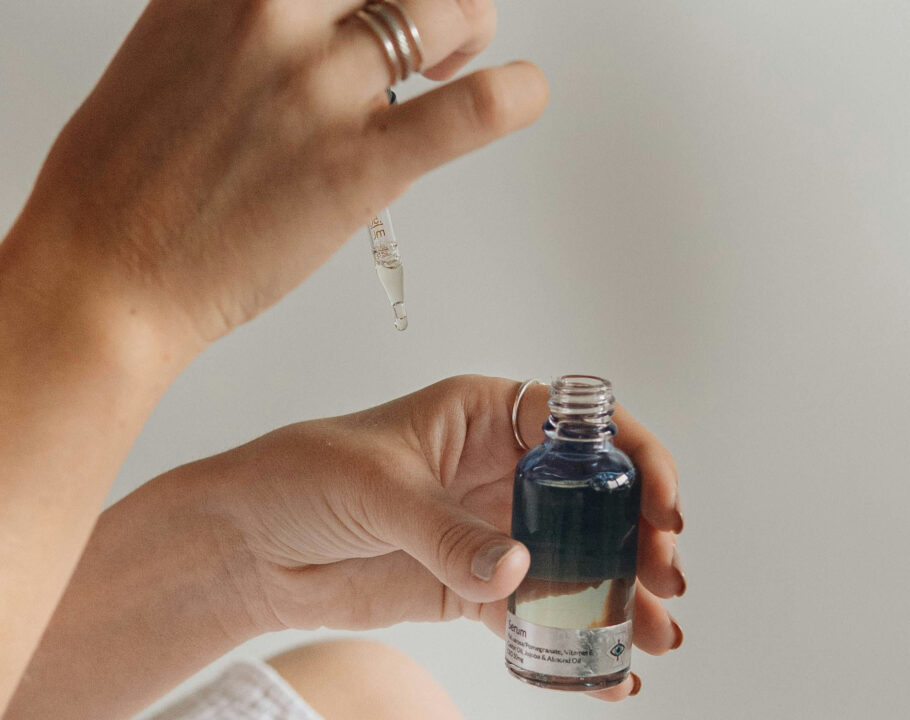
[618,649]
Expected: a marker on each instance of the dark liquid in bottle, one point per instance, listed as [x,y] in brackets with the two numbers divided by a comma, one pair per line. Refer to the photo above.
[577,512]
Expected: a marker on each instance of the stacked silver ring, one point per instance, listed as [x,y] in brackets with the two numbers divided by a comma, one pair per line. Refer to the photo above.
[398,36]
[522,389]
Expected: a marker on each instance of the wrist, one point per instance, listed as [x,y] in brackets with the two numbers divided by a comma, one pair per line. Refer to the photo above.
[155,597]
[78,378]
[58,291]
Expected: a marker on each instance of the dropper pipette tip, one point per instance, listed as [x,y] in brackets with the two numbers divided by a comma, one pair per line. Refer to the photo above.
[401,316]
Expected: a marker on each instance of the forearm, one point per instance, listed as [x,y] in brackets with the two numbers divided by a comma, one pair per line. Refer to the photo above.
[79,375]
[156,596]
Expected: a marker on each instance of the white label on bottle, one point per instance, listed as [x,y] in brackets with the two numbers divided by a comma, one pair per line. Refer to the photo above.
[568,653]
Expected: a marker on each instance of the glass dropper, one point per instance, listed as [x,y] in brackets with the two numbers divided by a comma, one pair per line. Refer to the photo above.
[387,258]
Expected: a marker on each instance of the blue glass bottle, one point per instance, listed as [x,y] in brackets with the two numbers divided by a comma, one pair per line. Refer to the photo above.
[575,506]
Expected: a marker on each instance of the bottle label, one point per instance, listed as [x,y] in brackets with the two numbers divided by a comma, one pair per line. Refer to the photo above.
[568,652]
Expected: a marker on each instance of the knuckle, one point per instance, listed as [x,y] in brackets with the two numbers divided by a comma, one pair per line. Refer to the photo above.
[487,103]
[314,90]
[492,20]
[459,385]
[474,9]
[258,23]
[453,543]
[460,392]
[480,14]
[274,21]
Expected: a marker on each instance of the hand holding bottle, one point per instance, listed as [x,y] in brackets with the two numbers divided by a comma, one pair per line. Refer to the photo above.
[398,513]
[402,513]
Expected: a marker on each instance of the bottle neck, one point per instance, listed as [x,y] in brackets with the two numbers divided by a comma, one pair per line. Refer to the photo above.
[581,412]
[567,438]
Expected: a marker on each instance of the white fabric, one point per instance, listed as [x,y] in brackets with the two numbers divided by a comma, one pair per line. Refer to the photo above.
[248,690]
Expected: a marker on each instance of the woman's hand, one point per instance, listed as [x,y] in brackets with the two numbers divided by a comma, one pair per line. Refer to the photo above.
[229,149]
[233,145]
[388,515]
[402,513]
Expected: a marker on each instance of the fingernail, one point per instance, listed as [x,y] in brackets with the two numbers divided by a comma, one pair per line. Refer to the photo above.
[636,685]
[487,559]
[680,572]
[679,634]
[680,521]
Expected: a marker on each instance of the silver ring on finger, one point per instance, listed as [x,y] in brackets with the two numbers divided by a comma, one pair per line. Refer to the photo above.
[385,40]
[398,36]
[412,31]
[515,405]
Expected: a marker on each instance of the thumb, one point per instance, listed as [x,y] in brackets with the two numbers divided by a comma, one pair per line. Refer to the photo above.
[472,557]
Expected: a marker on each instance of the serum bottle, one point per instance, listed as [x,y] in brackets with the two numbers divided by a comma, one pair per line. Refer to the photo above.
[575,506]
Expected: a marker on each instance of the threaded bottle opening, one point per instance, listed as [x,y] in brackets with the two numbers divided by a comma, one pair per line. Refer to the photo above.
[581,407]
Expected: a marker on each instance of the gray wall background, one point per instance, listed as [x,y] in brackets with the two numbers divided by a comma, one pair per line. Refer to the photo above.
[714,213]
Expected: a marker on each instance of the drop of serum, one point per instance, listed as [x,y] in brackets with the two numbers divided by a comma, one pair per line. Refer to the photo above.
[392,280]
[575,506]
[401,316]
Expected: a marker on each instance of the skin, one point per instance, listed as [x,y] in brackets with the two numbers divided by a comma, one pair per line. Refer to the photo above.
[355,679]
[355,522]
[229,149]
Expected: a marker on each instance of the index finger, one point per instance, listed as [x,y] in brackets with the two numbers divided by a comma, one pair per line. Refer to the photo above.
[659,477]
